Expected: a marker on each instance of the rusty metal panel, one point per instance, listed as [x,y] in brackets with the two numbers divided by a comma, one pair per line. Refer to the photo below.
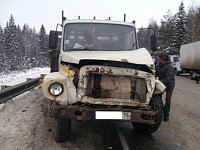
[88,113]
[145,90]
[141,89]
[115,87]
[113,101]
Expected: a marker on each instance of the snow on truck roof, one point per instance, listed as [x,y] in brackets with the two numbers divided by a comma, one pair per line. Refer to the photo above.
[99,21]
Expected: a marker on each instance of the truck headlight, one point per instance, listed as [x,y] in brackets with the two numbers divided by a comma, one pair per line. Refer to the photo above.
[56,89]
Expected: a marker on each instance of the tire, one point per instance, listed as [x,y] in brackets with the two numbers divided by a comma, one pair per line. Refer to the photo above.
[190,75]
[177,73]
[61,129]
[157,105]
[197,79]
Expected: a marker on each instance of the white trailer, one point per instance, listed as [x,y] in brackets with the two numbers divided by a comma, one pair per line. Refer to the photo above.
[189,59]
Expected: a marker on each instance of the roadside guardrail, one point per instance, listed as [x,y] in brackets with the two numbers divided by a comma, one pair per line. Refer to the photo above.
[10,92]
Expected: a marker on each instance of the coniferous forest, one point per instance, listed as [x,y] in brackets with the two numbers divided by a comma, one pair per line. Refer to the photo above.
[22,48]
[174,30]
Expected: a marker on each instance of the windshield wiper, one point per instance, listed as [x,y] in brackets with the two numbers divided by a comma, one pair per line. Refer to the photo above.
[132,46]
[82,49]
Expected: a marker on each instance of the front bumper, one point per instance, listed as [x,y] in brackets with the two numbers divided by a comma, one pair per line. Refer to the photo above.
[87,113]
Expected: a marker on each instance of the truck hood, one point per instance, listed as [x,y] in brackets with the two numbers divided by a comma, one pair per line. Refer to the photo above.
[140,56]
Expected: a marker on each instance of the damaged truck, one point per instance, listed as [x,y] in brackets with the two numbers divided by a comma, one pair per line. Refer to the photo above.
[98,72]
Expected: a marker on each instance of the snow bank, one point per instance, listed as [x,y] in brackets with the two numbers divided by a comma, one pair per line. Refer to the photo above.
[19,77]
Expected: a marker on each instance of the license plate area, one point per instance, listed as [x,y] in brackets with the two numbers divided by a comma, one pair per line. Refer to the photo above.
[112,115]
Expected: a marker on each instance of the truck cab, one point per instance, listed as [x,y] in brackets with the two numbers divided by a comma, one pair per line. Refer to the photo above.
[174,59]
[101,74]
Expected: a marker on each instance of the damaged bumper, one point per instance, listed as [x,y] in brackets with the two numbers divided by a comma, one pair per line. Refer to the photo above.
[102,85]
[87,113]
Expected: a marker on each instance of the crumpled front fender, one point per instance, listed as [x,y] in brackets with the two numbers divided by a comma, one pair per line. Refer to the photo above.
[160,87]
[68,95]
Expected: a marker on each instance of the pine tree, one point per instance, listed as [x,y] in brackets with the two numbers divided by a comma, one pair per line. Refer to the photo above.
[193,17]
[1,49]
[26,46]
[20,45]
[18,50]
[22,49]
[180,35]
[142,38]
[11,45]
[32,38]
[35,47]
[197,22]
[165,33]
[43,47]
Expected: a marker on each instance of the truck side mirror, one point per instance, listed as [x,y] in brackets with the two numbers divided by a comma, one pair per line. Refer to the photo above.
[153,42]
[53,39]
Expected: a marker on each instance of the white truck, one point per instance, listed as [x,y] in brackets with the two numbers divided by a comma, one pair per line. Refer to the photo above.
[174,59]
[189,60]
[102,75]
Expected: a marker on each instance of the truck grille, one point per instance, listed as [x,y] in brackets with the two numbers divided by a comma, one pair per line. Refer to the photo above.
[119,87]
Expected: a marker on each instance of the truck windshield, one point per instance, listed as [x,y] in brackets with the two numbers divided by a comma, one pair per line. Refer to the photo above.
[176,59]
[99,37]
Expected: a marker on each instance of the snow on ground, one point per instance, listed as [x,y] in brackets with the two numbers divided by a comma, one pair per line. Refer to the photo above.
[18,117]
[25,122]
[19,77]
[20,121]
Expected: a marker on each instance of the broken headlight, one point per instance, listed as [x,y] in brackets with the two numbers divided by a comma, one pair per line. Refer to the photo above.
[56,89]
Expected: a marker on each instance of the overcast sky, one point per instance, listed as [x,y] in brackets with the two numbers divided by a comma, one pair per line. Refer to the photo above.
[48,12]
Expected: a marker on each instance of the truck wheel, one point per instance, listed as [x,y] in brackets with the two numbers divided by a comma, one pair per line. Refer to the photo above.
[197,79]
[192,75]
[156,103]
[177,73]
[61,129]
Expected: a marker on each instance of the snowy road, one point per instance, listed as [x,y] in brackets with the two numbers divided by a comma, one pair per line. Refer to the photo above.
[24,121]
[25,125]
[19,121]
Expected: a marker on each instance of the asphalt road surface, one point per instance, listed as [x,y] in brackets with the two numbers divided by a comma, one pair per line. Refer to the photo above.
[24,124]
[182,132]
